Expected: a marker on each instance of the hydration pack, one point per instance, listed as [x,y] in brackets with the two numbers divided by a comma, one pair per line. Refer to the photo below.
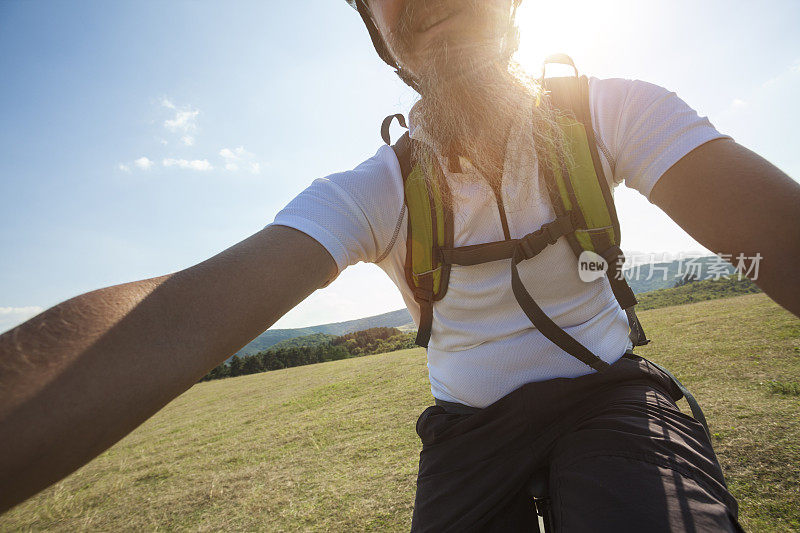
[581,199]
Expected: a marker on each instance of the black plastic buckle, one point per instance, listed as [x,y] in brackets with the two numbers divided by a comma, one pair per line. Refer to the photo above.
[552,236]
[526,247]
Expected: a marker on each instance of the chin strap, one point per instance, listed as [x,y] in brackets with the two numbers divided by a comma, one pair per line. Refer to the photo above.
[381,48]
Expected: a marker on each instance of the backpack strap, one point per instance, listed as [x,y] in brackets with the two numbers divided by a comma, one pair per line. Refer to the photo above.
[582,186]
[402,149]
[429,228]
[530,245]
[585,214]
[697,411]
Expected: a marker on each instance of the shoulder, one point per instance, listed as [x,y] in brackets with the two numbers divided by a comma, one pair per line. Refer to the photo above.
[376,180]
[645,128]
[614,101]
[615,91]
[352,213]
[381,171]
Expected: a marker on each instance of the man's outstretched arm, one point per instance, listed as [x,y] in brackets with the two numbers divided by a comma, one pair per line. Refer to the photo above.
[732,201]
[83,374]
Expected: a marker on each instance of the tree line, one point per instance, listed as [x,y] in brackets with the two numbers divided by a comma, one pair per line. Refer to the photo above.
[356,344]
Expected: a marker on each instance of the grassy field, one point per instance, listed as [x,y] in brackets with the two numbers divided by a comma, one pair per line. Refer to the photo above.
[332,447]
[697,291]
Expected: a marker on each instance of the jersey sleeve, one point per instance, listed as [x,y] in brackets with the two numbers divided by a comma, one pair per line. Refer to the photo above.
[645,130]
[352,214]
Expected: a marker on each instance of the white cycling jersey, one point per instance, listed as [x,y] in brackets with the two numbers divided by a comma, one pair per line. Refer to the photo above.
[482,345]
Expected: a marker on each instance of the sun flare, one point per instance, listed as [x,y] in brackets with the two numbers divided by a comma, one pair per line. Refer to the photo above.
[579,28]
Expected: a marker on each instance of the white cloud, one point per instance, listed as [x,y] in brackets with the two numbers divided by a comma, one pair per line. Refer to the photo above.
[166,102]
[143,163]
[227,153]
[29,310]
[195,164]
[239,158]
[758,101]
[183,121]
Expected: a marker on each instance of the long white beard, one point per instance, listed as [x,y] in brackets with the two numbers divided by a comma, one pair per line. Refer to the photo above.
[471,90]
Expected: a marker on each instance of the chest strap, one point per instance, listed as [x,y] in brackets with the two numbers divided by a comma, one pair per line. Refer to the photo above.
[519,250]
[530,245]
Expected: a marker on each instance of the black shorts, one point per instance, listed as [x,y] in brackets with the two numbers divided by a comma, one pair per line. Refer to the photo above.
[620,455]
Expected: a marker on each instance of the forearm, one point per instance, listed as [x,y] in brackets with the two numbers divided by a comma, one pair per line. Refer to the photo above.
[732,201]
[778,271]
[61,388]
[778,257]
[769,246]
[85,373]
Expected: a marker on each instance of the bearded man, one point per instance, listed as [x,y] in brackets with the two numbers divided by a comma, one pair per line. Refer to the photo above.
[508,403]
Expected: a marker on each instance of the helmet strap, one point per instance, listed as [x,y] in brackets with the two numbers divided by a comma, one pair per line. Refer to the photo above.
[382,48]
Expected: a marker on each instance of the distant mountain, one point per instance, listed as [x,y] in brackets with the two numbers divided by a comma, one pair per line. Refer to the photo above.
[654,276]
[393,319]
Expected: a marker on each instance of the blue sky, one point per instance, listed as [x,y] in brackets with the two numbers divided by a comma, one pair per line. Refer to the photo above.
[139,138]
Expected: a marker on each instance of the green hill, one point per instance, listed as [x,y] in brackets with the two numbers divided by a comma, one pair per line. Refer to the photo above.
[332,447]
[313,349]
[306,340]
[392,319]
[697,291]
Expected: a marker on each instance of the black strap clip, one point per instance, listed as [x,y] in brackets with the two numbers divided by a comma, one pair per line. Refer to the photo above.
[531,244]
[552,233]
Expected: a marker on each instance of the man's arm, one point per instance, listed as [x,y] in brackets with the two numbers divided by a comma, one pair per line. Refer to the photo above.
[83,374]
[732,201]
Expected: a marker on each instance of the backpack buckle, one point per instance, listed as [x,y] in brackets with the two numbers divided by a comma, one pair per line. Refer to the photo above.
[532,244]
[551,232]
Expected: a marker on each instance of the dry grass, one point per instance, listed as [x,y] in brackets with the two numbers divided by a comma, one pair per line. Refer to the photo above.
[331,447]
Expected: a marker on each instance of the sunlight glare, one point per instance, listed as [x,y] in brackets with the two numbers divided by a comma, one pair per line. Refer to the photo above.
[579,28]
